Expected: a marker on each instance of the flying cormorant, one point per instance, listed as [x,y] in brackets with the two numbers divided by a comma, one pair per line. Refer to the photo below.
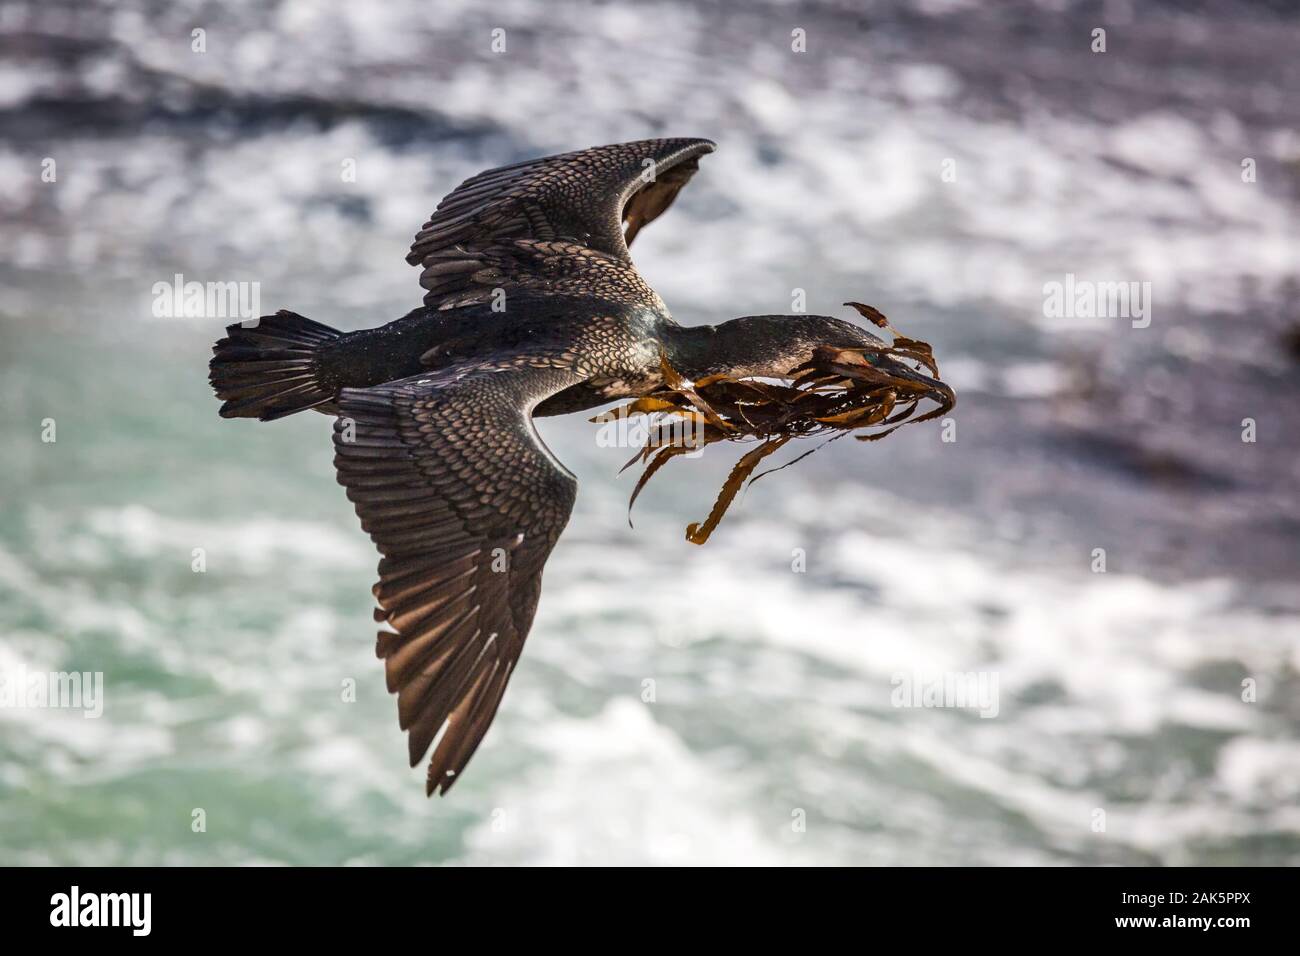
[532,307]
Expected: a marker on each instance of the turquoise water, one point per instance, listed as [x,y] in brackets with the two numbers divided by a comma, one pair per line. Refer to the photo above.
[224,688]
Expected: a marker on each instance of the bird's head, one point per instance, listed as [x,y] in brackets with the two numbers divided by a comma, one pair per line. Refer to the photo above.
[759,345]
[772,346]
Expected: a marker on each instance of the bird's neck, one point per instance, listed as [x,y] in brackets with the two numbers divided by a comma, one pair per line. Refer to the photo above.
[757,345]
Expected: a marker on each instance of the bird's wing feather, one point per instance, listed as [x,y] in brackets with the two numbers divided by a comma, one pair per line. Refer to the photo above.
[452,482]
[547,221]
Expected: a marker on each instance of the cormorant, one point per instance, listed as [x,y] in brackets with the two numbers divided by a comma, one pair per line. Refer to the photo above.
[532,307]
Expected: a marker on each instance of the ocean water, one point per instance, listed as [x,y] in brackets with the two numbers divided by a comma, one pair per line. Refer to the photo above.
[732,703]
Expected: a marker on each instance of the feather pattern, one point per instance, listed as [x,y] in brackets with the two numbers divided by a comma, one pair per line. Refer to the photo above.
[539,223]
[465,516]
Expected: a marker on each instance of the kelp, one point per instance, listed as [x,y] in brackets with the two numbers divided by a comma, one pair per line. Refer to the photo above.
[868,389]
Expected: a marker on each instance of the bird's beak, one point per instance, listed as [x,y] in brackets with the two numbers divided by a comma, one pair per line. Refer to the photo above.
[895,368]
[934,389]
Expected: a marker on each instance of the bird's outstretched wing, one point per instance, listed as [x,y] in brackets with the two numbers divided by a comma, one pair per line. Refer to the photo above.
[547,222]
[454,485]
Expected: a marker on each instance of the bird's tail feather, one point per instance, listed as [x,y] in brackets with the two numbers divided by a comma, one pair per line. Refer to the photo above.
[271,369]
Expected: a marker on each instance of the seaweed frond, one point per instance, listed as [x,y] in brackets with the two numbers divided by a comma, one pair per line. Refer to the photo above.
[871,390]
